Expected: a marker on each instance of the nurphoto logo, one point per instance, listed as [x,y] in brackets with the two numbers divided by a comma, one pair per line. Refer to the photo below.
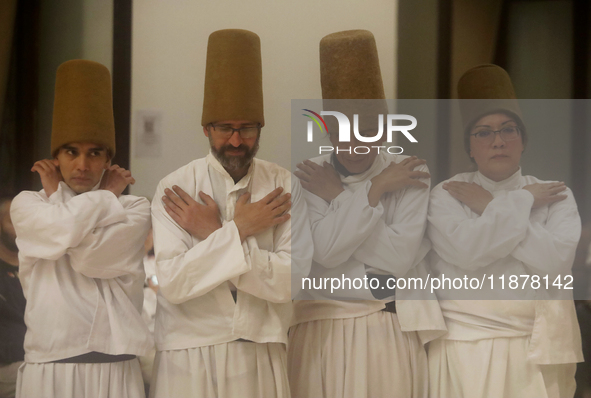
[345,131]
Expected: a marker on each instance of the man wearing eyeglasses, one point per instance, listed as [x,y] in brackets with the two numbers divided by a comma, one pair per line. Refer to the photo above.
[222,237]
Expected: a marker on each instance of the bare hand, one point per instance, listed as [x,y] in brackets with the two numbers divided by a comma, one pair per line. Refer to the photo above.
[546,193]
[116,179]
[252,218]
[397,176]
[470,194]
[323,181]
[197,219]
[50,174]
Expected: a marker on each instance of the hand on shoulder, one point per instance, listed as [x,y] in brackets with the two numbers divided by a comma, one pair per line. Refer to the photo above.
[546,193]
[50,174]
[116,179]
[252,218]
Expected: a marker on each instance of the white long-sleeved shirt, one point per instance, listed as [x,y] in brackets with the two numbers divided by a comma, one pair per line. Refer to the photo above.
[509,238]
[81,271]
[195,305]
[351,238]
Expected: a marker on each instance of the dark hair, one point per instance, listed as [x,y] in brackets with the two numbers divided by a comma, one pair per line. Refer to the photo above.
[512,115]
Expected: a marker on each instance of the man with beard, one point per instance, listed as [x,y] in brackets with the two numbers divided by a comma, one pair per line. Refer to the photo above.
[12,305]
[222,237]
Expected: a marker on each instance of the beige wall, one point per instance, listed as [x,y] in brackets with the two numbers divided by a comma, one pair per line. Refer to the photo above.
[474,39]
[169,47]
[417,70]
[69,29]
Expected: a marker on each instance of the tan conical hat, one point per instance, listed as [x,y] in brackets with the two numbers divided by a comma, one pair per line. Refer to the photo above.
[487,89]
[350,69]
[484,90]
[83,105]
[233,77]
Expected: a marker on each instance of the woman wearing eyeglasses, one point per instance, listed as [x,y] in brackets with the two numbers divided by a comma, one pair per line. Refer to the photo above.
[496,224]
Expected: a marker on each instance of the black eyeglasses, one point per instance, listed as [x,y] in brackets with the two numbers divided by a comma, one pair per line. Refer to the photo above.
[226,131]
[487,136]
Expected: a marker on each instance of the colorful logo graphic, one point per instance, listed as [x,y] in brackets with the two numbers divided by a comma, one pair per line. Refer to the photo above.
[316,120]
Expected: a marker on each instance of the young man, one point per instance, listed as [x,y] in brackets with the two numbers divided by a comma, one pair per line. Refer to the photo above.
[223,243]
[80,249]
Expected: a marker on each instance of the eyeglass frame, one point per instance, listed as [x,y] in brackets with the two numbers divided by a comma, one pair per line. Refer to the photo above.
[239,130]
[495,133]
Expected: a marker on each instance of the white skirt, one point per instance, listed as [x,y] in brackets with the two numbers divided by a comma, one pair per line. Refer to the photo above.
[235,369]
[495,368]
[361,357]
[80,380]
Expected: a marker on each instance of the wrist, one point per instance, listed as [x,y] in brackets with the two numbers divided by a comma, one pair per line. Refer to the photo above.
[51,187]
[241,230]
[50,191]
[333,194]
[374,194]
[377,182]
[243,235]
[377,186]
[113,191]
[215,228]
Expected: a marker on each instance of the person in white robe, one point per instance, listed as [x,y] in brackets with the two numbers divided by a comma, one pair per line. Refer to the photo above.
[223,244]
[368,217]
[80,248]
[497,222]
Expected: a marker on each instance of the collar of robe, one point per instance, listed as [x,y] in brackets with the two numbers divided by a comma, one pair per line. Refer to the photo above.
[65,192]
[348,178]
[509,184]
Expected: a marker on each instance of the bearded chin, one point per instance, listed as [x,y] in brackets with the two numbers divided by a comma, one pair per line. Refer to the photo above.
[234,162]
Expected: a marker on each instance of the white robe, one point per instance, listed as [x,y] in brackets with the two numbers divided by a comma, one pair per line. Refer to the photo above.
[509,238]
[340,341]
[81,272]
[196,312]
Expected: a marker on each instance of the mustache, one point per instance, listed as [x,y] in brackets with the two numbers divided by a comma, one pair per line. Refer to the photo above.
[234,162]
[240,147]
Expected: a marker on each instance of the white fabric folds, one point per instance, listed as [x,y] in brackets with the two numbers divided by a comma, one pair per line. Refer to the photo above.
[363,357]
[228,370]
[76,380]
[195,306]
[509,238]
[495,368]
[80,268]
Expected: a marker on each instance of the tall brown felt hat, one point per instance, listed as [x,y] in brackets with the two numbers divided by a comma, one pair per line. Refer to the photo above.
[83,105]
[350,69]
[484,90]
[233,77]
